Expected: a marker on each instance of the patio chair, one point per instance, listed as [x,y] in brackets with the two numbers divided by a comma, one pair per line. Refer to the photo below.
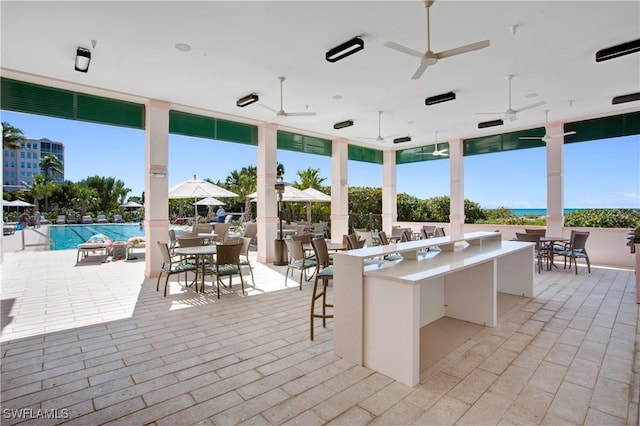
[366,236]
[118,218]
[87,219]
[221,230]
[101,219]
[540,251]
[427,231]
[298,260]
[536,231]
[439,232]
[319,229]
[227,263]
[172,266]
[251,231]
[72,219]
[353,242]
[385,241]
[61,220]
[576,249]
[324,272]
[244,256]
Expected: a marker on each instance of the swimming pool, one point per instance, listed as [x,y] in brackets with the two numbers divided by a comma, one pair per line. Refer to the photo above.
[69,236]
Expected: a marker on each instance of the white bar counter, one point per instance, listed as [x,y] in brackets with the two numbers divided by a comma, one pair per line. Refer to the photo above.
[379,309]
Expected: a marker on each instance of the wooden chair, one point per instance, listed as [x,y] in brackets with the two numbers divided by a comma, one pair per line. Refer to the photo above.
[172,266]
[324,272]
[227,263]
[576,249]
[298,260]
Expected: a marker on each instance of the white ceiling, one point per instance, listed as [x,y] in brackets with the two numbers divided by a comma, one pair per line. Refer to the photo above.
[241,47]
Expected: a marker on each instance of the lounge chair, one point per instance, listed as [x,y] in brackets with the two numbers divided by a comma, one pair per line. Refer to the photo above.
[8,229]
[98,243]
[118,218]
[100,219]
[61,220]
[87,219]
[72,219]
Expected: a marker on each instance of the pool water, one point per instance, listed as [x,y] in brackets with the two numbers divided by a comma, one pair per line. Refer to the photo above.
[69,236]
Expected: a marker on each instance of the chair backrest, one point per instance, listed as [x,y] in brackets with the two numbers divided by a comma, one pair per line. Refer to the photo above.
[251,229]
[295,249]
[164,249]
[439,232]
[231,240]
[428,230]
[320,250]
[353,242]
[300,229]
[228,218]
[531,238]
[117,217]
[579,240]
[536,231]
[318,227]
[189,241]
[396,232]
[406,235]
[221,230]
[228,254]
[61,217]
[203,228]
[246,243]
[383,238]
[101,216]
[304,239]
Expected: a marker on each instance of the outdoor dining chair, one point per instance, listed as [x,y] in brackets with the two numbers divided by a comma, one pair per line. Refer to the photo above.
[244,256]
[540,251]
[227,263]
[575,249]
[172,266]
[385,241]
[324,272]
[298,260]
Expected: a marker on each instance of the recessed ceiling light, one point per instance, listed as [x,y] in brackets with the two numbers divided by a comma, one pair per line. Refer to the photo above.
[531,95]
[183,47]
[337,97]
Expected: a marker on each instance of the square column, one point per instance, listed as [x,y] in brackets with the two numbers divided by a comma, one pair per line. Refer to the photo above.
[456,175]
[339,190]
[156,183]
[555,171]
[267,207]
[389,191]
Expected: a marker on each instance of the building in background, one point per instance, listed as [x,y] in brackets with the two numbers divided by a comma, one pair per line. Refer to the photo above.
[21,165]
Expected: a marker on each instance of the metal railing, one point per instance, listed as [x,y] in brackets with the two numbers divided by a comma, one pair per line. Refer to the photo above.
[49,240]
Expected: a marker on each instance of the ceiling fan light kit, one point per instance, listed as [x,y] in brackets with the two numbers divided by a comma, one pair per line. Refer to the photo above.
[402,139]
[247,100]
[440,98]
[343,124]
[83,59]
[625,98]
[347,48]
[618,50]
[491,123]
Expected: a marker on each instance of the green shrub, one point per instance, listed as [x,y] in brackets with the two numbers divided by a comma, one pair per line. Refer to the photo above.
[603,218]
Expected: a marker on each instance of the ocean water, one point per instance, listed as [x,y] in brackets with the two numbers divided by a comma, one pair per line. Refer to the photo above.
[537,212]
[69,236]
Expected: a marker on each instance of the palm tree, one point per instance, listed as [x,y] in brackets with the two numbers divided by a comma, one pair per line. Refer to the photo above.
[51,165]
[39,189]
[309,178]
[85,196]
[12,137]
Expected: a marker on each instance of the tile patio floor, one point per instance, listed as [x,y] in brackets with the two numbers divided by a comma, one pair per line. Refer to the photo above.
[97,343]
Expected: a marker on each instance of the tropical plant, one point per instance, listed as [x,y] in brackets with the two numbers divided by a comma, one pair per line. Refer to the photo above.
[603,218]
[309,178]
[51,165]
[85,197]
[12,137]
[39,189]
[108,192]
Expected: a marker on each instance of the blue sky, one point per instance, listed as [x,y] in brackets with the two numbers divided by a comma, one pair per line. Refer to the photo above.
[603,173]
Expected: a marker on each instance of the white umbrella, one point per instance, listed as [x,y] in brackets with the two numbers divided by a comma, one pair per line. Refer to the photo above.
[197,188]
[131,204]
[5,202]
[209,201]
[19,203]
[317,196]
[290,194]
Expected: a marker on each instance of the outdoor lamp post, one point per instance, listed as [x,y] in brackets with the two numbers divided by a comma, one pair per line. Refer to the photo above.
[281,251]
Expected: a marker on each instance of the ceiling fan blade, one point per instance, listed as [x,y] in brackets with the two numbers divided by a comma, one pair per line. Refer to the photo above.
[404,49]
[464,49]
[421,69]
[537,104]
[300,114]
[568,133]
[269,108]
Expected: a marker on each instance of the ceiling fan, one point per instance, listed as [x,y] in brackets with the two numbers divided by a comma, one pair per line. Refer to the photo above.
[380,138]
[547,137]
[444,152]
[510,113]
[429,57]
[281,112]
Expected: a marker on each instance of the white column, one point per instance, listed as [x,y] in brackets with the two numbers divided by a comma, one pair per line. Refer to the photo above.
[339,190]
[456,174]
[156,183]
[267,208]
[389,191]
[555,171]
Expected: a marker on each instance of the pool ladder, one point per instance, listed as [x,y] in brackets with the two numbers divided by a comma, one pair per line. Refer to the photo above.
[47,244]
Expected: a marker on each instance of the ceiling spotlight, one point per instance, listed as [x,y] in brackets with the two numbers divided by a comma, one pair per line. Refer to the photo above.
[83,58]
[402,139]
[440,98]
[618,50]
[491,123]
[247,100]
[345,49]
[343,124]
[625,98]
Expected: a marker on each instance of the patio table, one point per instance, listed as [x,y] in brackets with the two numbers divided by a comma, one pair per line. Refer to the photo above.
[200,253]
[549,242]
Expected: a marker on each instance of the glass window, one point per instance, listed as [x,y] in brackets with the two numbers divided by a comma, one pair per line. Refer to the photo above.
[22,164]
[28,155]
[28,165]
[6,164]
[22,154]
[13,153]
[13,164]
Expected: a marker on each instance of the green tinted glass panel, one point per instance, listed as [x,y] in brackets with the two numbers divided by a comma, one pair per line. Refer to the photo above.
[301,143]
[182,123]
[236,132]
[504,142]
[35,99]
[367,155]
[422,153]
[603,128]
[109,111]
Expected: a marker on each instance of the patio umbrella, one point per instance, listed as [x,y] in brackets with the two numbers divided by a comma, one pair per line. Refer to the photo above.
[20,203]
[197,188]
[290,194]
[316,196]
[131,204]
[210,202]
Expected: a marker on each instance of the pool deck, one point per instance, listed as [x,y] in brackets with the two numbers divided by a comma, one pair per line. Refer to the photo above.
[98,343]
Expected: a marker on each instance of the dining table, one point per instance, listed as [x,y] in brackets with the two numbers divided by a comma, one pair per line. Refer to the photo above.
[549,242]
[200,253]
[331,246]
